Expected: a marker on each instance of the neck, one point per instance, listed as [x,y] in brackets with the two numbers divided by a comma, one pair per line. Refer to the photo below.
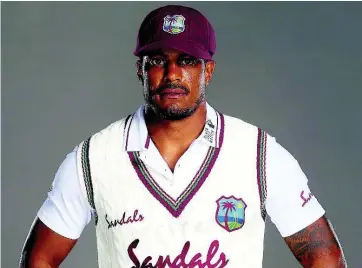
[180,131]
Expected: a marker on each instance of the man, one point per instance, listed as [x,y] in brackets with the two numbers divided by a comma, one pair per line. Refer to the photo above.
[177,183]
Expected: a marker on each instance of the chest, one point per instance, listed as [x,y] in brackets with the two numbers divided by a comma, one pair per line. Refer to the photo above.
[217,195]
[195,214]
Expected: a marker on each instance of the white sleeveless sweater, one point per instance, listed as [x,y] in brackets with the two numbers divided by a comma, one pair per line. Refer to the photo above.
[218,221]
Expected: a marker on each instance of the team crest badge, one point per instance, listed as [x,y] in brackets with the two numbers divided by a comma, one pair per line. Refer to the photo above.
[230,213]
[174,24]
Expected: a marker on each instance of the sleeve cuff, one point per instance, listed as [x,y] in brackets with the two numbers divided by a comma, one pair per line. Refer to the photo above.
[301,222]
[53,224]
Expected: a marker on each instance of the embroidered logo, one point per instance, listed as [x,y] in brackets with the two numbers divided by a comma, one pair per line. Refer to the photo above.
[174,24]
[306,198]
[124,220]
[212,259]
[230,213]
[210,124]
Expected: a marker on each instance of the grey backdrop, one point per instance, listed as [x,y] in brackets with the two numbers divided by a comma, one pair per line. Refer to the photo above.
[292,68]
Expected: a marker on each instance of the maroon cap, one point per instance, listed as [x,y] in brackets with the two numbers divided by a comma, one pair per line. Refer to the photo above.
[178,27]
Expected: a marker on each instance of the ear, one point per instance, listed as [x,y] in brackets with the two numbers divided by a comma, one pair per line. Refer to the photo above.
[209,71]
[139,71]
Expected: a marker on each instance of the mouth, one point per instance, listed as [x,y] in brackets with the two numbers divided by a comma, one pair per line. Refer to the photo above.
[172,93]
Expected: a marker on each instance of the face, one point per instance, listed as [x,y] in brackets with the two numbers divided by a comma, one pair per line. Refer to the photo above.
[174,83]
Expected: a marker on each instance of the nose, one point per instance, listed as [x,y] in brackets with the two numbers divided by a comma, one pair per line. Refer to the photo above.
[172,72]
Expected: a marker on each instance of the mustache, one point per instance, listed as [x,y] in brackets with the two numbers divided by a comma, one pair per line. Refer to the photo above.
[170,86]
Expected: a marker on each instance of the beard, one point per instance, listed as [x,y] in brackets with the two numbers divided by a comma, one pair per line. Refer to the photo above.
[172,112]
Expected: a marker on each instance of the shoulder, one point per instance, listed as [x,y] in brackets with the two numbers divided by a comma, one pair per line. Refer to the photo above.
[278,159]
[238,123]
[112,132]
[117,127]
[239,127]
[240,131]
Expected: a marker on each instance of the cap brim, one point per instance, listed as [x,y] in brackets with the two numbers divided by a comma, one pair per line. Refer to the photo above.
[189,47]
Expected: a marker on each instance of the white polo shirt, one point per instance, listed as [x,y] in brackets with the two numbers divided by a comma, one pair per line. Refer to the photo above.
[289,203]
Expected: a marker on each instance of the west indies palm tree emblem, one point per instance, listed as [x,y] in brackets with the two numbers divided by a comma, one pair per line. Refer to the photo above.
[230,213]
[174,24]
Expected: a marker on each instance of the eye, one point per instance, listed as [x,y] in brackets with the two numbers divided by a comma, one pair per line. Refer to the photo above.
[157,62]
[188,61]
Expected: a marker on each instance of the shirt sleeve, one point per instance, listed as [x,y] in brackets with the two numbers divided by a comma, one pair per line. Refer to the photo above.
[289,202]
[66,210]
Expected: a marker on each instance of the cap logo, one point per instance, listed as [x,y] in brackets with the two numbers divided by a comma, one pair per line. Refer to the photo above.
[174,24]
